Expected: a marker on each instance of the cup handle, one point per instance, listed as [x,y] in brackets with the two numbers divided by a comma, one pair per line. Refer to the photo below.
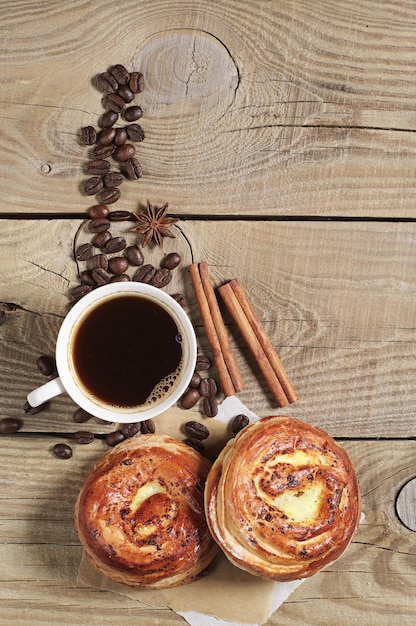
[44,393]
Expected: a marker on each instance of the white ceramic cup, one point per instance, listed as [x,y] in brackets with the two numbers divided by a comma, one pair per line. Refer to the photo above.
[67,380]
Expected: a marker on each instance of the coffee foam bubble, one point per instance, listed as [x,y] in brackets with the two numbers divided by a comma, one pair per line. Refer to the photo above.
[164,387]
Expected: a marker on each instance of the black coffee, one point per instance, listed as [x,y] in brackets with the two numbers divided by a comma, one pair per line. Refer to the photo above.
[127,351]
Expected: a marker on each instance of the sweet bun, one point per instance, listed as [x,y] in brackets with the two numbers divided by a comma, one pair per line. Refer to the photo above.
[140,513]
[282,499]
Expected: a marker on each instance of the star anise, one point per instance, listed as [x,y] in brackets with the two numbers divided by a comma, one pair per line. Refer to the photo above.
[154,224]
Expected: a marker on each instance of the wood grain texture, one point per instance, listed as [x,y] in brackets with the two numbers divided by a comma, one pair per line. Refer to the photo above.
[256,107]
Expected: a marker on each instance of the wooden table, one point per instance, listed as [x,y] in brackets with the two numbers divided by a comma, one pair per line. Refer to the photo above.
[283,136]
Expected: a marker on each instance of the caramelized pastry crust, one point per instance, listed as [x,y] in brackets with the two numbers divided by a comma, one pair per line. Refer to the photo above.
[140,513]
[282,499]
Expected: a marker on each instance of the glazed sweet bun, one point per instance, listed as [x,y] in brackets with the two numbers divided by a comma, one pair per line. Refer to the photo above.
[140,513]
[282,499]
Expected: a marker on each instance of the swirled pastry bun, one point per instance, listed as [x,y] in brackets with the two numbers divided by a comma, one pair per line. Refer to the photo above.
[140,513]
[282,499]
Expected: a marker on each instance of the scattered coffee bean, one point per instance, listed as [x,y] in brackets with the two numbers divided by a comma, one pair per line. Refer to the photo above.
[98,211]
[114,102]
[93,185]
[131,114]
[118,265]
[100,239]
[9,425]
[81,415]
[98,225]
[80,291]
[119,216]
[208,387]
[195,380]
[121,136]
[190,398]
[107,83]
[103,152]
[129,430]
[147,427]
[210,406]
[83,437]
[113,179]
[100,276]
[171,260]
[134,255]
[88,135]
[120,73]
[99,260]
[120,278]
[136,82]
[2,316]
[99,167]
[106,137]
[196,430]
[161,278]
[239,422]
[194,443]
[126,93]
[62,451]
[33,410]
[110,195]
[202,363]
[46,365]
[135,132]
[115,244]
[180,299]
[144,274]
[86,278]
[125,152]
[112,439]
[84,251]
[133,169]
[108,119]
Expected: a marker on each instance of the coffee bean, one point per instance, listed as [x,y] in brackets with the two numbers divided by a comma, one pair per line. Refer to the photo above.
[194,443]
[2,317]
[86,278]
[118,265]
[162,278]
[134,255]
[100,276]
[115,244]
[62,451]
[136,82]
[80,291]
[147,427]
[195,380]
[88,135]
[114,102]
[180,299]
[129,430]
[93,185]
[113,179]
[9,425]
[239,422]
[190,398]
[171,260]
[100,239]
[106,137]
[126,93]
[120,278]
[98,225]
[107,82]
[110,195]
[84,252]
[196,429]
[80,416]
[120,137]
[83,437]
[208,387]
[46,365]
[108,119]
[135,132]
[145,273]
[99,167]
[34,410]
[131,114]
[112,439]
[103,152]
[98,210]
[133,169]
[119,216]
[99,260]
[202,363]
[125,152]
[210,406]
[120,73]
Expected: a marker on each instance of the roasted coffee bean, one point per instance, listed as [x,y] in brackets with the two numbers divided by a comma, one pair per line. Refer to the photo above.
[84,437]
[62,451]
[46,365]
[99,167]
[162,278]
[103,152]
[109,195]
[80,291]
[129,430]
[239,422]
[131,114]
[113,179]
[208,387]
[118,265]
[171,260]
[126,93]
[135,132]
[190,398]
[195,380]
[120,137]
[120,73]
[84,252]
[196,429]
[107,82]
[194,443]
[108,119]
[114,102]
[202,363]
[210,406]
[112,439]
[147,427]
[119,216]
[106,137]
[93,185]
[81,416]
[9,425]
[100,276]
[134,255]
[134,170]
[145,273]
[100,239]
[88,135]
[99,260]
[86,278]
[98,210]
[120,278]
[125,152]
[136,82]
[115,244]
[2,317]
[180,299]
[98,225]
[34,410]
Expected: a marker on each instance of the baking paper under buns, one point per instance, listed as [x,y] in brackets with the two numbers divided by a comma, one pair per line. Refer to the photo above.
[140,513]
[282,499]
